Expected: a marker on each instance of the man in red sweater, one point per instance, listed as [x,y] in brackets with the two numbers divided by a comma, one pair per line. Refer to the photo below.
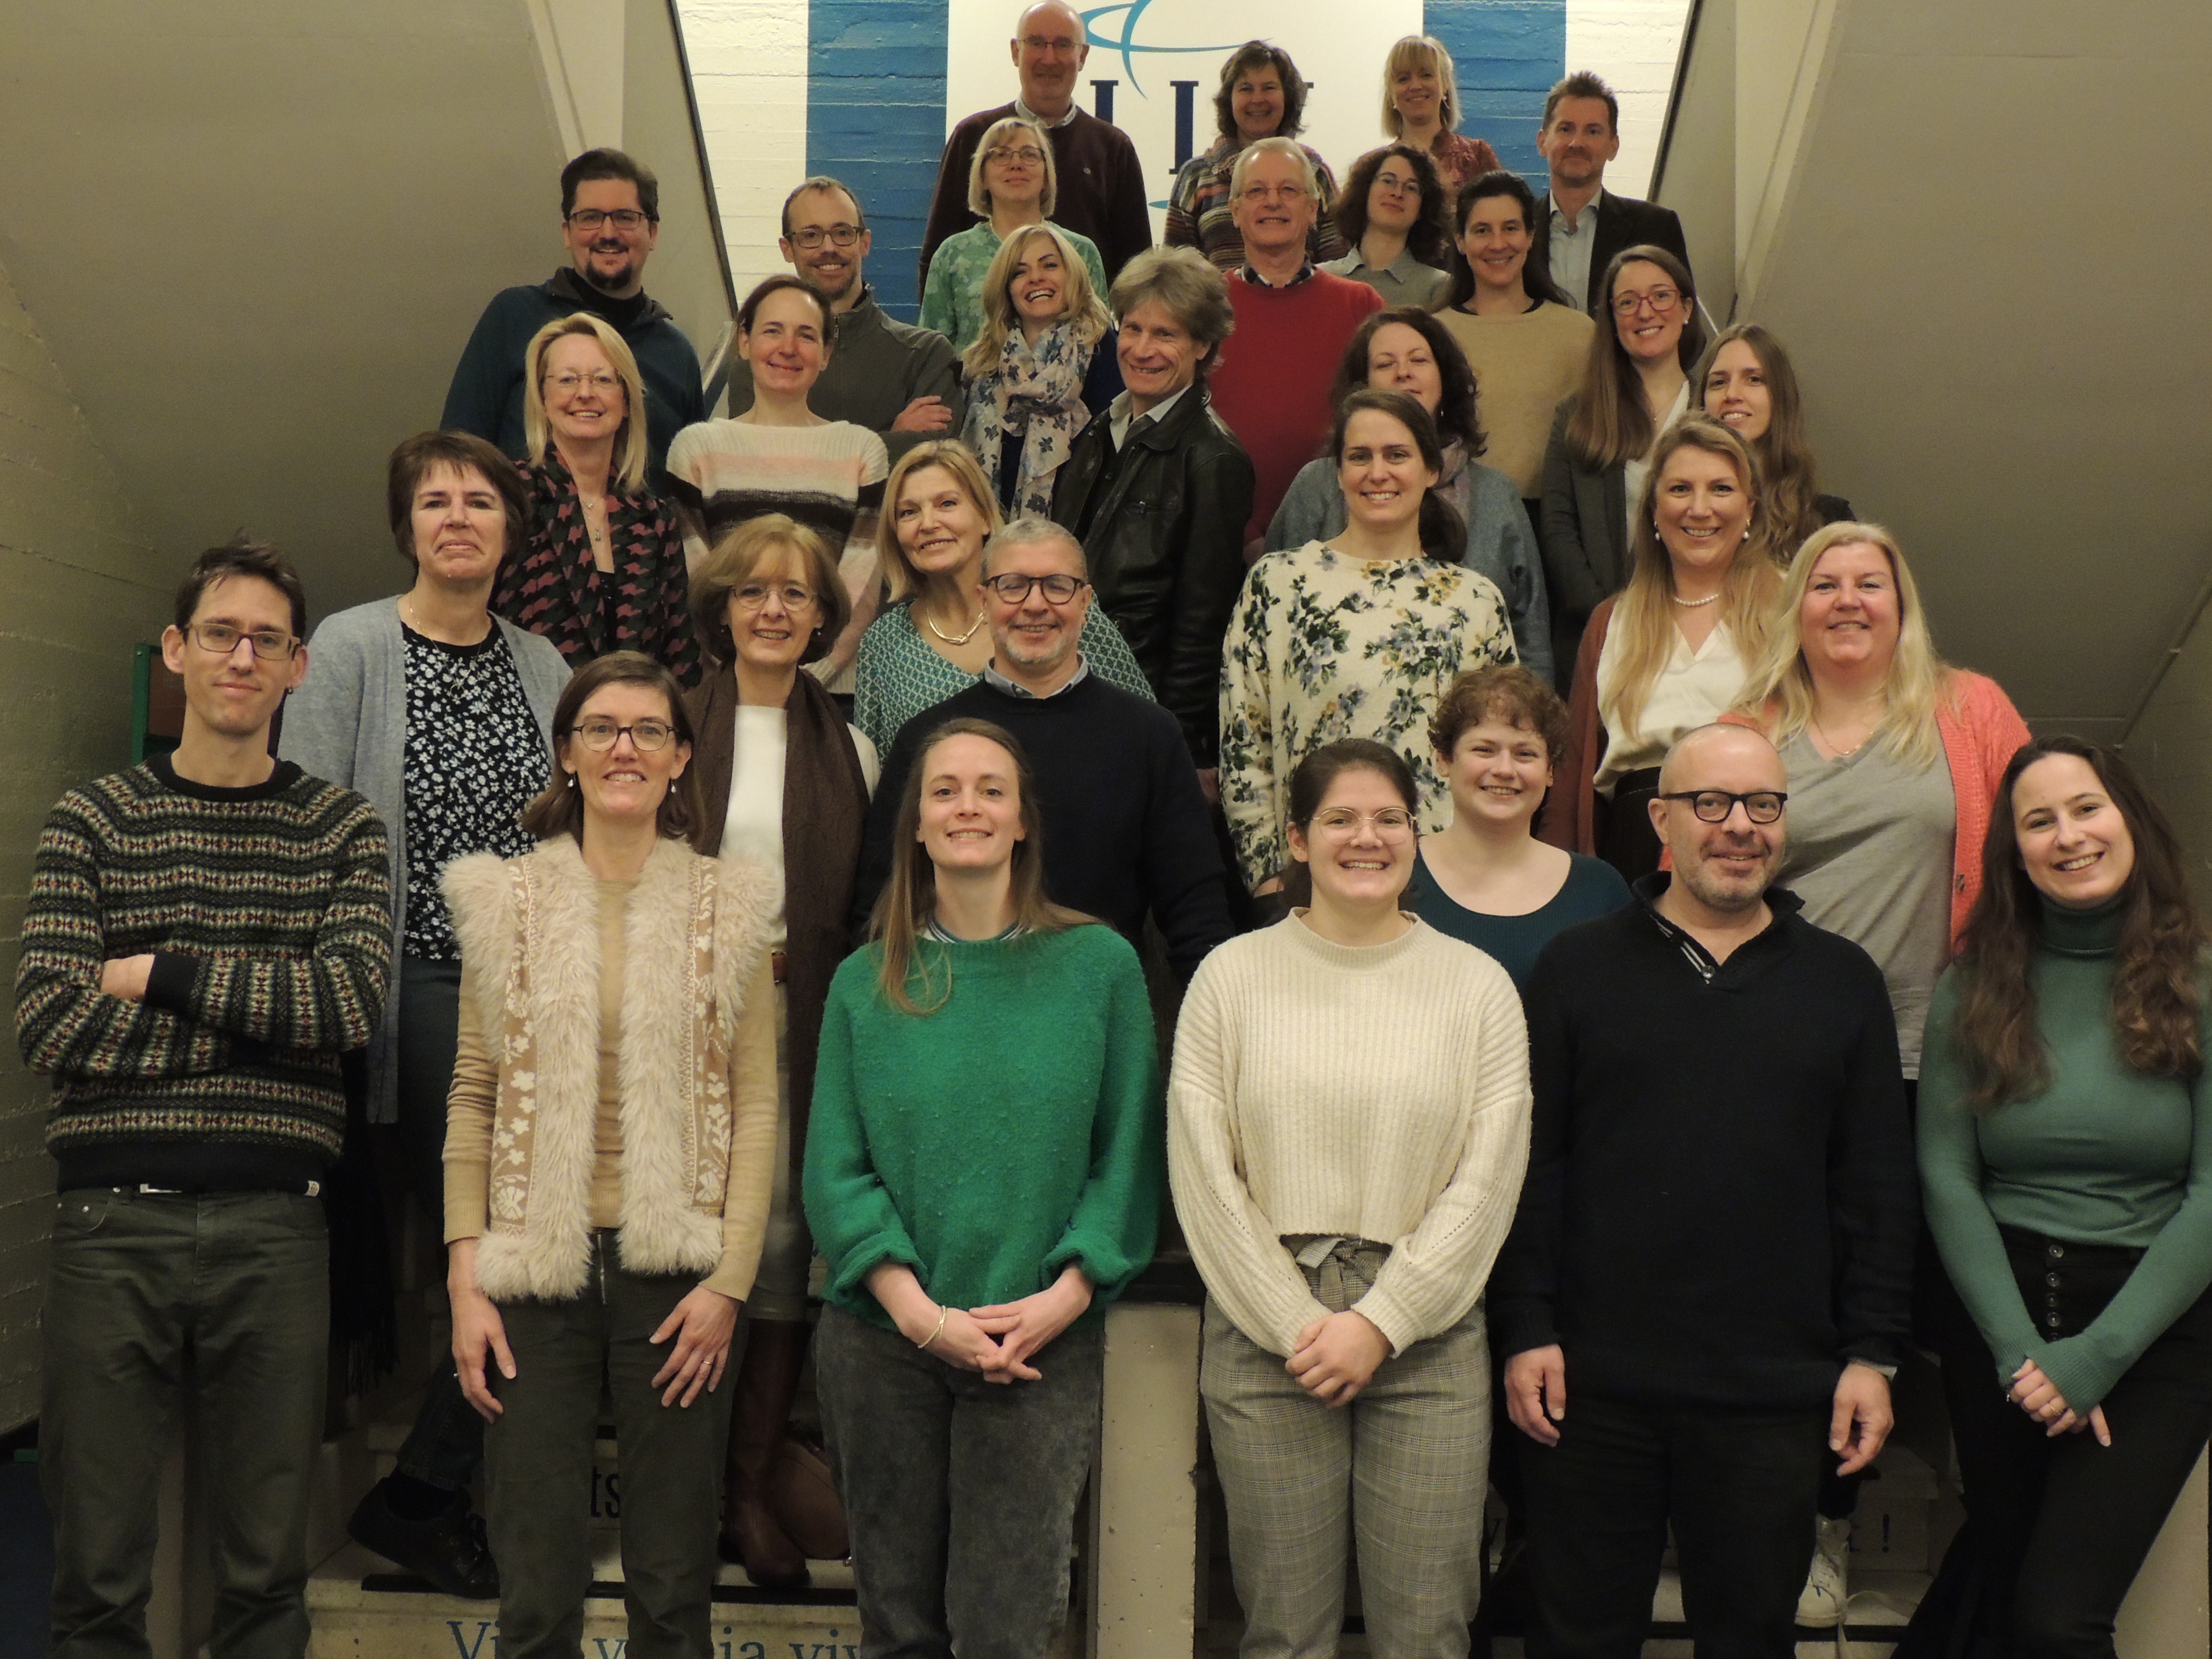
[1292,324]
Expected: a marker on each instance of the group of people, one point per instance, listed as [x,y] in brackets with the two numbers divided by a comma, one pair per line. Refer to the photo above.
[743,868]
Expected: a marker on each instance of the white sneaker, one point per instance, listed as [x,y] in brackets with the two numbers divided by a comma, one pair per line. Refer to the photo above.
[1821,1606]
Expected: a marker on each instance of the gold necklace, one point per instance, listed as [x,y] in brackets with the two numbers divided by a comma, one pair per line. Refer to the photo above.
[957,639]
[1840,752]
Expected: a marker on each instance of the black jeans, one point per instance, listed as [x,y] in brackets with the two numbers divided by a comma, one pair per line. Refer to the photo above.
[960,1493]
[1739,1488]
[2056,1530]
[140,1288]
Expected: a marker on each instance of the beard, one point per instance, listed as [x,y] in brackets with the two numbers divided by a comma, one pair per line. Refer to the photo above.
[619,280]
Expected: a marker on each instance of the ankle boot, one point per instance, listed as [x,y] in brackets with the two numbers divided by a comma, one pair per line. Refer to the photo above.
[768,1379]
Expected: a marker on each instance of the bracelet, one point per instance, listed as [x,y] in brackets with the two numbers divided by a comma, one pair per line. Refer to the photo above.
[944,1313]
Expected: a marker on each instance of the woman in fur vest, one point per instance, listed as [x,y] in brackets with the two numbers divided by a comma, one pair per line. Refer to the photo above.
[609,1155]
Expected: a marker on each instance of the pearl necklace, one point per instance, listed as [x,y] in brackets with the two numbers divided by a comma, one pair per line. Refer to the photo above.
[957,639]
[1694,604]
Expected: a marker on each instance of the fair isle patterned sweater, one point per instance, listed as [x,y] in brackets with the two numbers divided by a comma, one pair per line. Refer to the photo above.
[1323,646]
[268,913]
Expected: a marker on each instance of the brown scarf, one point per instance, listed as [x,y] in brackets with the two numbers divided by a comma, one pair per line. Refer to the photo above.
[825,806]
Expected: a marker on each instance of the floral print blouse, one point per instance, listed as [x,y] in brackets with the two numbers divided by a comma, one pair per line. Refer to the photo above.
[554,589]
[1323,646]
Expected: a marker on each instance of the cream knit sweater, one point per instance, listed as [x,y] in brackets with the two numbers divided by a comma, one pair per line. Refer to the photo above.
[1379,1092]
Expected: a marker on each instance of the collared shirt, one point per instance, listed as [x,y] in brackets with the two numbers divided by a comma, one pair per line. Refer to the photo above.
[1571,246]
[1404,282]
[998,682]
[1028,114]
[1305,275]
[1118,415]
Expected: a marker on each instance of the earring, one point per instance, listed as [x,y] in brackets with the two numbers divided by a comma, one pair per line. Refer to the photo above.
[571,784]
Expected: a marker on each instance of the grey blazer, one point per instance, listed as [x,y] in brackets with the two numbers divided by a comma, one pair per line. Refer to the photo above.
[1585,539]
[348,724]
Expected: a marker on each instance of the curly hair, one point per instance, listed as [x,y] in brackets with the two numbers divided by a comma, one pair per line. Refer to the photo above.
[1455,410]
[1428,238]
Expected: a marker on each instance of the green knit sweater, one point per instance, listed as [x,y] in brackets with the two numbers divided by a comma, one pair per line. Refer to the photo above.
[268,913]
[990,1143]
[2105,1155]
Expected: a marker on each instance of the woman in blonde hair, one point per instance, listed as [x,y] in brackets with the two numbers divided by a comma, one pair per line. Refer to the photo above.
[1894,758]
[1671,651]
[602,570]
[1043,365]
[984,1174]
[931,640]
[1014,181]
[1421,108]
[1746,382]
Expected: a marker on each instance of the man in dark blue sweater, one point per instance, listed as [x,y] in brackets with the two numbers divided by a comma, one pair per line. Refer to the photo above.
[1126,829]
[1715,1236]
[610,221]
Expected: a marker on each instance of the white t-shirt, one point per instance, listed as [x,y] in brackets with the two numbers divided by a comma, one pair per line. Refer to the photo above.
[754,827]
[1694,689]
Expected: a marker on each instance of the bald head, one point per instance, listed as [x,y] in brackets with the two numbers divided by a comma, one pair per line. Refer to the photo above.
[1723,862]
[1049,45]
[1730,748]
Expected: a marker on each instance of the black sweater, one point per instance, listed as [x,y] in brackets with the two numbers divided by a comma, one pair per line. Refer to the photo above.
[1720,1203]
[1125,827]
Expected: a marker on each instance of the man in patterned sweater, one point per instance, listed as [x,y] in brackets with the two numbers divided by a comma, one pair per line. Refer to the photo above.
[206,932]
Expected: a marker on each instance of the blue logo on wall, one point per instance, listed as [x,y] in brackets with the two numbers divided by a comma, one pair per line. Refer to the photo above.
[1127,43]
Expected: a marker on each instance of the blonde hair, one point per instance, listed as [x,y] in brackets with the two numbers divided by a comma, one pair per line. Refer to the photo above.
[979,197]
[1421,52]
[631,453]
[900,576]
[744,547]
[1779,693]
[1079,302]
[1643,616]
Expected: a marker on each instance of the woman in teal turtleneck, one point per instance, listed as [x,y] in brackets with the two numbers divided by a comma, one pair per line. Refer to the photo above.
[2065,1137]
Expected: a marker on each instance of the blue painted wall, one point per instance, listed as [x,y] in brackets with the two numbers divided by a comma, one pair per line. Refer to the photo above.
[1507,54]
[875,118]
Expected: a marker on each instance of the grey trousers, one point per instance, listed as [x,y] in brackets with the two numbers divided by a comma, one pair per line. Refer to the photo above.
[960,1493]
[537,1457]
[136,1284]
[1403,1469]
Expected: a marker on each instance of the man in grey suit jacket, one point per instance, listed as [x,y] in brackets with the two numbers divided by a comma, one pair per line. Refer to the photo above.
[1580,225]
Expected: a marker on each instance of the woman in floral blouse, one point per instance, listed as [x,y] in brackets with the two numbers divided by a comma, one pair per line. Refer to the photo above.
[602,570]
[1355,636]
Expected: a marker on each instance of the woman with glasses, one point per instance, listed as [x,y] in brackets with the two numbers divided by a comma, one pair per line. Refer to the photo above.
[1635,384]
[1746,382]
[1347,1128]
[983,1177]
[933,637]
[603,568]
[1012,183]
[440,713]
[1356,636]
[608,1162]
[1261,95]
[1393,217]
[784,783]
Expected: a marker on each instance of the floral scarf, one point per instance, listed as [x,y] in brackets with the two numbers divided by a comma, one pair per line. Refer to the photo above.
[1034,399]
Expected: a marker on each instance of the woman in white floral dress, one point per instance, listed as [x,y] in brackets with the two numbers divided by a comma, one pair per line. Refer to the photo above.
[1355,636]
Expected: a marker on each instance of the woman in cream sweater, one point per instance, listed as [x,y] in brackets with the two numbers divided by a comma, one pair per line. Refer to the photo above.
[618,1051]
[1347,1127]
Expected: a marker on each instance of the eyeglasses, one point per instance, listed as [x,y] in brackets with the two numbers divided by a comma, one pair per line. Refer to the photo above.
[1013,589]
[1714,805]
[620,218]
[753,595]
[1661,300]
[601,732]
[222,639]
[838,236]
[1391,823]
[1028,154]
[569,383]
[1263,195]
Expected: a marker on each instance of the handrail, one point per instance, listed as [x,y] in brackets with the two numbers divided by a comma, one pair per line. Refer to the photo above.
[706,166]
[2167,658]
[1675,98]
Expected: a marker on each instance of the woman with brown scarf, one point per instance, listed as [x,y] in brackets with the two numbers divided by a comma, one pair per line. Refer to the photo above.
[783,779]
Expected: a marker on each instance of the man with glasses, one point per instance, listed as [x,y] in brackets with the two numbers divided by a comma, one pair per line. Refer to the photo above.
[1126,829]
[610,223]
[901,382]
[206,932]
[1101,184]
[1580,226]
[1708,1276]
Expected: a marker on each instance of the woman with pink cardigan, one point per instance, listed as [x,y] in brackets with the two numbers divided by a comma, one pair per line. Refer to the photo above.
[1894,760]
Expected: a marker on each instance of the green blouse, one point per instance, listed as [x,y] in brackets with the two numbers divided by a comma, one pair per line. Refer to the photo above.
[952,297]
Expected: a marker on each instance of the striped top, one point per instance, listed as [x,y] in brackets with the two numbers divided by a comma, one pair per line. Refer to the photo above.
[721,473]
[267,910]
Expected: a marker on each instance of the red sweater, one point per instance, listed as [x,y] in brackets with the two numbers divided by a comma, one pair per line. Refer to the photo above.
[1271,383]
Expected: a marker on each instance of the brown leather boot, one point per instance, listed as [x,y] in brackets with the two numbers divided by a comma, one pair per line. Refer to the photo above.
[768,1379]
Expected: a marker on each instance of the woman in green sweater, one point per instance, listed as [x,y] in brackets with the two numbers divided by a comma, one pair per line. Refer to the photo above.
[2066,1133]
[984,1174]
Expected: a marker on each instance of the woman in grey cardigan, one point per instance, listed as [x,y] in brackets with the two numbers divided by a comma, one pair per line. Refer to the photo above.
[441,714]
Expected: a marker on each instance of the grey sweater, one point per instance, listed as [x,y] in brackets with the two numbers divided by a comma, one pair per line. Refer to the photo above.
[348,724]
[1499,545]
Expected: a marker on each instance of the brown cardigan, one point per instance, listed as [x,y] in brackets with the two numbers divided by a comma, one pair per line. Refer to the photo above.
[1572,812]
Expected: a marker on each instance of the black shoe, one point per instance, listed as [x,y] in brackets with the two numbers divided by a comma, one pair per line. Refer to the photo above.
[448,1550]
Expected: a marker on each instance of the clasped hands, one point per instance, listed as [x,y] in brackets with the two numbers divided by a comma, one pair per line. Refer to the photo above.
[2038,1396]
[995,1341]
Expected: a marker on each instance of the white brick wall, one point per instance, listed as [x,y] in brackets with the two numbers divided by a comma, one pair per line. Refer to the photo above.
[749,69]
[1632,44]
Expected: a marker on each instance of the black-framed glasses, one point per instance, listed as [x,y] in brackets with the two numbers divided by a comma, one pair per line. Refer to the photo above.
[1714,805]
[222,639]
[1012,589]
[599,732]
[813,236]
[620,218]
